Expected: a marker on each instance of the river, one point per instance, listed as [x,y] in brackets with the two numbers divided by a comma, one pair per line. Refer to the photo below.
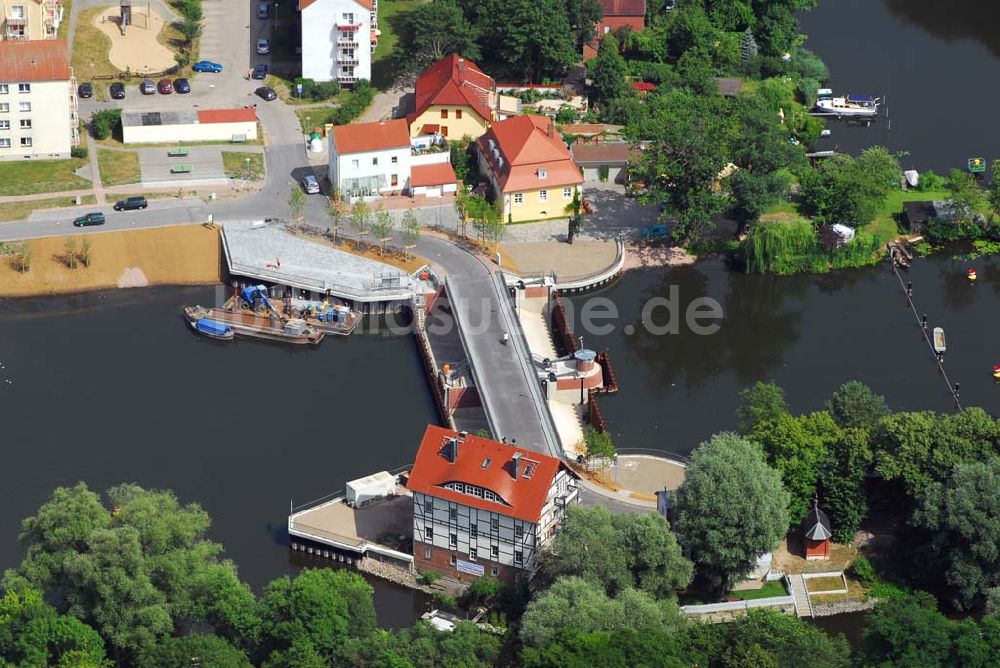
[113,387]
[934,62]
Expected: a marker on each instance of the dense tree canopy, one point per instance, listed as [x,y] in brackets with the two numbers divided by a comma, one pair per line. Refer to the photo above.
[437,29]
[32,633]
[849,190]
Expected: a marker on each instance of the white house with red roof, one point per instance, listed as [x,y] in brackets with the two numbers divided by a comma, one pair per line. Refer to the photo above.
[481,507]
[150,127]
[38,105]
[338,38]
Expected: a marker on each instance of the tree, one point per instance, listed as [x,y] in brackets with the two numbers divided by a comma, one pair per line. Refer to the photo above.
[764,402]
[590,547]
[753,193]
[608,70]
[598,443]
[462,209]
[572,648]
[781,640]
[335,209]
[855,405]
[410,230]
[440,28]
[965,193]
[32,633]
[730,509]
[652,554]
[534,39]
[22,258]
[993,191]
[181,653]
[908,633]
[360,215]
[959,519]
[842,483]
[69,252]
[103,123]
[382,226]
[85,245]
[574,603]
[296,203]
[850,190]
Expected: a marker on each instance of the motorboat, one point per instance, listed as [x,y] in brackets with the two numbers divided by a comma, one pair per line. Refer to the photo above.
[847,106]
[212,328]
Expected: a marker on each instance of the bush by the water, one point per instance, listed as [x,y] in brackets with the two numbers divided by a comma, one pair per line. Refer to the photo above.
[794,246]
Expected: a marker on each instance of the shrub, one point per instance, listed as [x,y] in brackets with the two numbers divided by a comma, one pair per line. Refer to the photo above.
[427,577]
[931,181]
[78,152]
[104,122]
[863,570]
[603,172]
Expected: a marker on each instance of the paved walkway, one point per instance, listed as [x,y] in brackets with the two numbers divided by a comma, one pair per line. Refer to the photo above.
[800,593]
[95,176]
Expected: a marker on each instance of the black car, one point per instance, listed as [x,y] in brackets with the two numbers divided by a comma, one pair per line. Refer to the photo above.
[131,204]
[117,90]
[96,218]
[267,93]
[182,86]
[85,90]
[260,72]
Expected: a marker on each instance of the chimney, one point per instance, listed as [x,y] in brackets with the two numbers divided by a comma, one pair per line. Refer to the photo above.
[453,450]
[517,463]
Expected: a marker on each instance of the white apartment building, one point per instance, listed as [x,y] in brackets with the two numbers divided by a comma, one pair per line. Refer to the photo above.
[338,38]
[30,19]
[38,105]
[369,159]
[482,507]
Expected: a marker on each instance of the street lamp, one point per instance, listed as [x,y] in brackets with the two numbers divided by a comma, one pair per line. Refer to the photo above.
[248,171]
[276,16]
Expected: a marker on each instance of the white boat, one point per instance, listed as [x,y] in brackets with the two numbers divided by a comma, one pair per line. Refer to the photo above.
[848,106]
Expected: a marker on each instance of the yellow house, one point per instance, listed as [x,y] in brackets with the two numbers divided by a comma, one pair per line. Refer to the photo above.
[529,168]
[30,19]
[454,98]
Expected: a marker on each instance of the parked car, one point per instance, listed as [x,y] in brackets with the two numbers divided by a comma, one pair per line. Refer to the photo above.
[206,66]
[85,90]
[182,86]
[310,184]
[267,93]
[147,87]
[117,90]
[96,218]
[263,10]
[131,204]
[165,87]
[260,72]
[263,47]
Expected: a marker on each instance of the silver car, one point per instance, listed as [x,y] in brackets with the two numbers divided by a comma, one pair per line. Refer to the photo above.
[310,185]
[263,47]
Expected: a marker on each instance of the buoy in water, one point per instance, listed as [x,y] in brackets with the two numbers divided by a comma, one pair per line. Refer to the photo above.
[971,274]
[996,371]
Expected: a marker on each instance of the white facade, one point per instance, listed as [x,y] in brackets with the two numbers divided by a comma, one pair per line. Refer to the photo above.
[37,119]
[30,19]
[369,173]
[337,40]
[188,132]
[481,537]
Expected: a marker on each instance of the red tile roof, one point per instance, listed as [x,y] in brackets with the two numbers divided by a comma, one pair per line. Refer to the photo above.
[367,4]
[432,175]
[526,144]
[34,60]
[643,87]
[605,153]
[243,115]
[453,80]
[583,128]
[376,136]
[523,497]
[623,7]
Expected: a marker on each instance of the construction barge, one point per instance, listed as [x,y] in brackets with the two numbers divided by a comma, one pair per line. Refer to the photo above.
[257,325]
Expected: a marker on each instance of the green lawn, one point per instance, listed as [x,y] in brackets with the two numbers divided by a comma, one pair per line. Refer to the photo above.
[27,177]
[118,167]
[235,163]
[20,210]
[393,21]
[773,588]
[313,117]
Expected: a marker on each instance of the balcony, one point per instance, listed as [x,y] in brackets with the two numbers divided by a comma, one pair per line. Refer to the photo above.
[348,27]
[16,20]
[346,78]
[347,43]
[347,60]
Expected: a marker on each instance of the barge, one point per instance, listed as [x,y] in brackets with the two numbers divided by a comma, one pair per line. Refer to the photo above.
[258,326]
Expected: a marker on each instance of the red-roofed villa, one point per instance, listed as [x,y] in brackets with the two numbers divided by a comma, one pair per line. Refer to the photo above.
[615,15]
[483,507]
[453,98]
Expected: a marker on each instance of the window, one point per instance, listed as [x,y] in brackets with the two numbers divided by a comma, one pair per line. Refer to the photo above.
[444,113]
[518,557]
[489,496]
[518,531]
[472,554]
[453,539]
[453,514]
[495,551]
[518,198]
[429,533]
[473,531]
[4,142]
[429,504]
[487,462]
[495,523]
[458,113]
[451,560]
[355,164]
[567,193]
[494,570]
[25,142]
[4,125]
[543,195]
[444,130]
[25,123]
[374,161]
[24,88]
[607,29]
[477,491]
[394,179]
[470,489]
[529,469]
[4,107]
[427,553]
[24,106]
[4,89]
[542,173]
[17,12]
[395,159]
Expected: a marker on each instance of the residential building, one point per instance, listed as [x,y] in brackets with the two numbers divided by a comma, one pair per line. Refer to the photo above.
[338,38]
[484,508]
[30,19]
[453,98]
[369,160]
[605,161]
[616,15]
[530,170]
[38,106]
[236,125]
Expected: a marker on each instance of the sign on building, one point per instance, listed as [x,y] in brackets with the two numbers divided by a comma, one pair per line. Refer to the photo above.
[470,568]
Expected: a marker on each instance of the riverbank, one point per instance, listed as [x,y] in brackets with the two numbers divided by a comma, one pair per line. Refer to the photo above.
[179,255]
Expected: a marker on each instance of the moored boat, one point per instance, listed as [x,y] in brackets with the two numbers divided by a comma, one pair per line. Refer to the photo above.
[258,326]
[939,343]
[847,106]
[212,329]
